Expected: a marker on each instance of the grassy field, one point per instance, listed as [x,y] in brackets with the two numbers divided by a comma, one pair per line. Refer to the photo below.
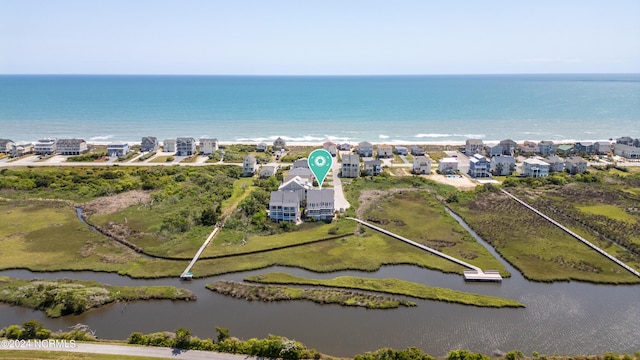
[62,297]
[541,251]
[320,296]
[390,286]
[417,215]
[162,159]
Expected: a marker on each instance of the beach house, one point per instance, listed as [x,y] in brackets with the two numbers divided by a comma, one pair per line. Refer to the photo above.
[302,172]
[372,167]
[626,151]
[301,163]
[149,143]
[71,146]
[508,147]
[320,204]
[284,206]
[575,165]
[473,146]
[546,147]
[279,144]
[535,167]
[298,185]
[493,150]
[208,146]
[502,165]
[448,166]
[267,171]
[331,147]
[117,149]
[417,150]
[350,166]
[46,146]
[344,147]
[185,146]
[528,147]
[169,145]
[385,151]
[261,147]
[479,166]
[402,150]
[5,146]
[585,146]
[21,148]
[602,147]
[365,149]
[556,163]
[249,165]
[421,165]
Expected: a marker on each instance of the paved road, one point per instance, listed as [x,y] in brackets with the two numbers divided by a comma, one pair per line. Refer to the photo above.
[339,200]
[165,353]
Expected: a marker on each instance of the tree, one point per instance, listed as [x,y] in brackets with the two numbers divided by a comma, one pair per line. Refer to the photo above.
[183,337]
[30,329]
[209,217]
[223,333]
[514,355]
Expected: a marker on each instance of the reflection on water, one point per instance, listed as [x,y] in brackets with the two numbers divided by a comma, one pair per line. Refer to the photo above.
[563,318]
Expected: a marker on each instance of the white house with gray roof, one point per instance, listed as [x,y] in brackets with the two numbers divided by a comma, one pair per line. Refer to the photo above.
[149,143]
[284,206]
[503,165]
[320,204]
[350,166]
[169,145]
[365,149]
[71,146]
[208,146]
[535,167]
[46,146]
[473,146]
[185,146]
[5,146]
[421,165]
[249,165]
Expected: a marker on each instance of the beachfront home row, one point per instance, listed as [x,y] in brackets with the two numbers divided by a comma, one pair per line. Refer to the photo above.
[627,147]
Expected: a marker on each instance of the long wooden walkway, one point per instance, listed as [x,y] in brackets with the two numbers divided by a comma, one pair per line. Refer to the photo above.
[476,275]
[186,274]
[565,229]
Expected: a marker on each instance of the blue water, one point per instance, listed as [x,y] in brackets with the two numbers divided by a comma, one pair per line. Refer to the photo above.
[392,109]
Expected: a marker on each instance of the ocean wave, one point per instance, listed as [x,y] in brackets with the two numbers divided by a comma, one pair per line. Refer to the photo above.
[102,137]
[435,135]
[383,136]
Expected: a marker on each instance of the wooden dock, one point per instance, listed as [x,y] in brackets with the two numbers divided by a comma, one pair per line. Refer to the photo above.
[187,274]
[475,274]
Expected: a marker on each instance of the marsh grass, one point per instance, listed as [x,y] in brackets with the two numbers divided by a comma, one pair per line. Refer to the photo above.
[418,216]
[389,286]
[540,250]
[62,297]
[270,293]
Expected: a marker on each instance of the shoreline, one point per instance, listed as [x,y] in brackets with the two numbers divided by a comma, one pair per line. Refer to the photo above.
[353,143]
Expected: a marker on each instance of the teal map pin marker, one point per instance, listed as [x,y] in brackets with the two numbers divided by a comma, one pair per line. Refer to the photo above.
[320,161]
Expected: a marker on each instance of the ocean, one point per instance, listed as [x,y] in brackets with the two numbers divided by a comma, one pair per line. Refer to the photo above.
[314,109]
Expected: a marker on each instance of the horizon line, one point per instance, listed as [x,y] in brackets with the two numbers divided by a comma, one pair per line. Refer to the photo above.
[322,75]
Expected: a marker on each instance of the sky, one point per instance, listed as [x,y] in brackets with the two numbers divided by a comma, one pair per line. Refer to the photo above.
[329,37]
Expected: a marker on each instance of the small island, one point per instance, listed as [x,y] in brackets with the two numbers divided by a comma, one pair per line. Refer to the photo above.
[63,297]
